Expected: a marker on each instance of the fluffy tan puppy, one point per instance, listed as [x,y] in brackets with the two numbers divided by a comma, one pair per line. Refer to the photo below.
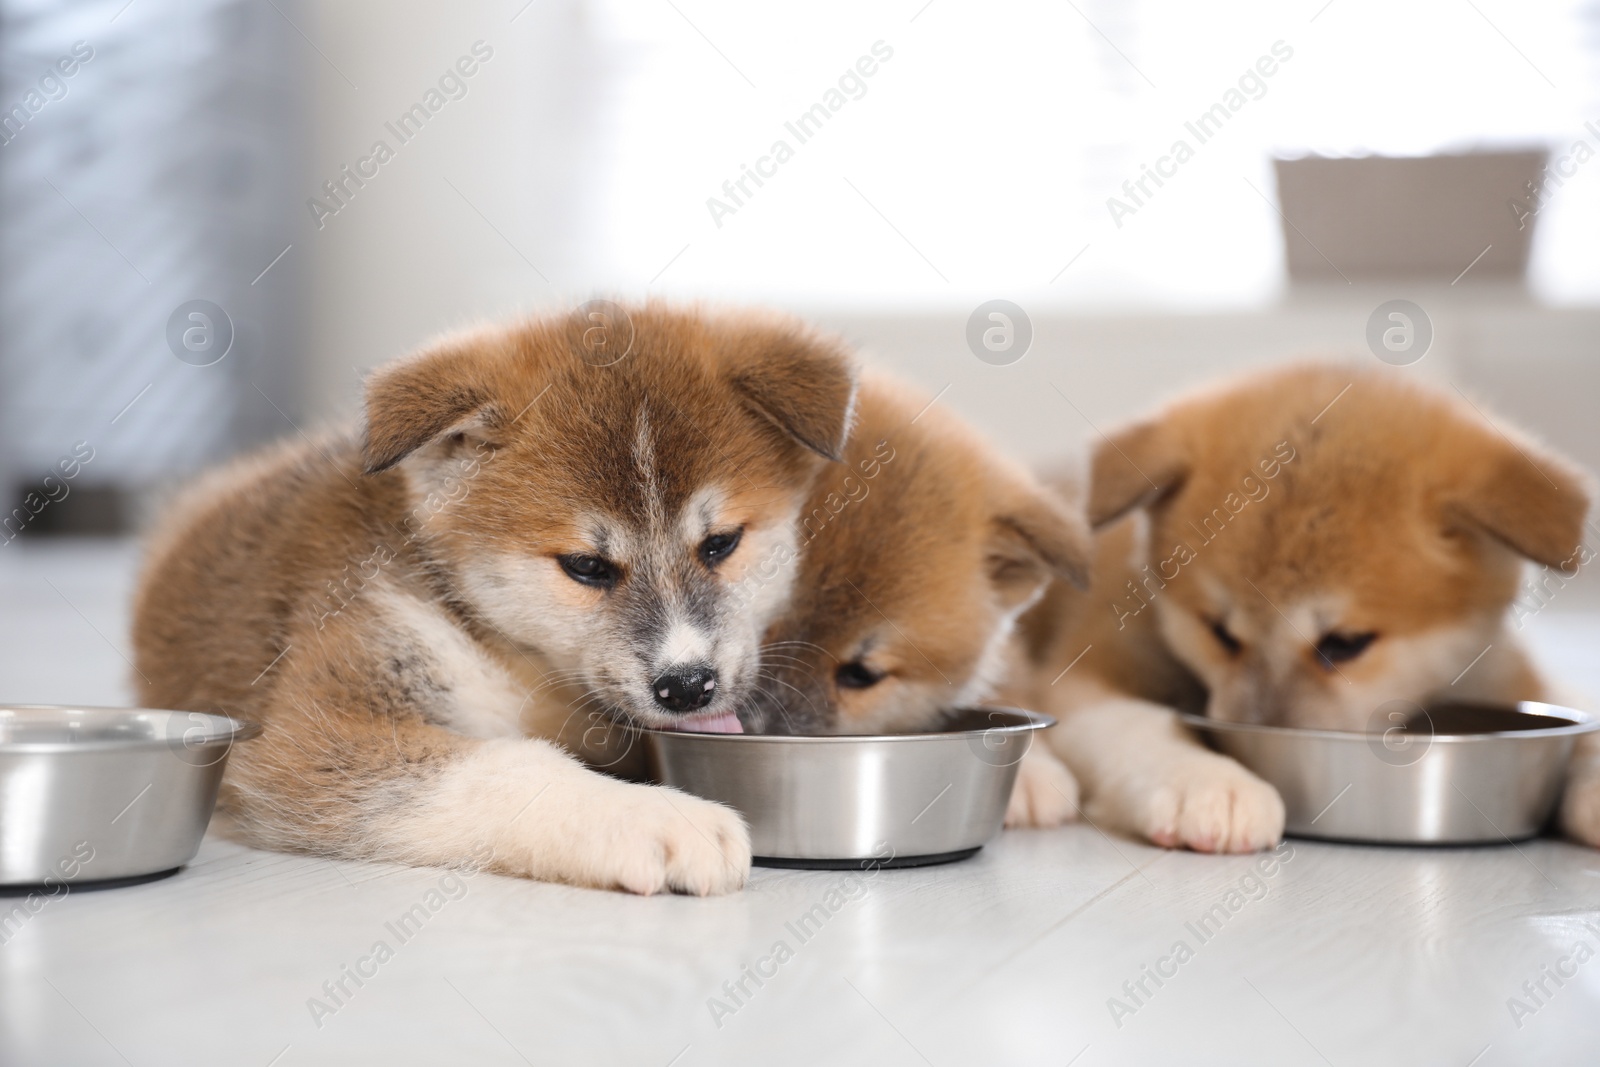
[1299,547]
[917,555]
[534,520]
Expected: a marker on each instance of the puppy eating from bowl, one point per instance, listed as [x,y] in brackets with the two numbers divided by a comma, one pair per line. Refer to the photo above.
[529,522]
[917,555]
[1303,547]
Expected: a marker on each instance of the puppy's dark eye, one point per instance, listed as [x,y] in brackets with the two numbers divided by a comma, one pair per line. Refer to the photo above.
[1224,638]
[590,570]
[718,547]
[1337,648]
[856,675]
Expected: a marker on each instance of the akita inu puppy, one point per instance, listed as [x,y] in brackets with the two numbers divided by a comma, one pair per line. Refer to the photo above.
[530,523]
[1302,547]
[917,555]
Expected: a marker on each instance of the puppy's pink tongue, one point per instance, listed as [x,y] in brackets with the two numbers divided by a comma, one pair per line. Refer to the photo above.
[718,724]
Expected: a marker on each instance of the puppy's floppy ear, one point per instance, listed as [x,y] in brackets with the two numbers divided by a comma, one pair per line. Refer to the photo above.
[416,399]
[1134,467]
[802,385]
[1037,535]
[1526,498]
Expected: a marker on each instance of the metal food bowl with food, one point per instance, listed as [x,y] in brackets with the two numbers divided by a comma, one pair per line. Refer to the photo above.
[98,794]
[844,801]
[1446,774]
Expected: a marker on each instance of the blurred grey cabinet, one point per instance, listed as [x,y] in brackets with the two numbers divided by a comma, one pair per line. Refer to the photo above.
[148,152]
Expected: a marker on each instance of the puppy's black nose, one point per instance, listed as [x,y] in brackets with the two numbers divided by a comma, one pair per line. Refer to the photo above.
[685,689]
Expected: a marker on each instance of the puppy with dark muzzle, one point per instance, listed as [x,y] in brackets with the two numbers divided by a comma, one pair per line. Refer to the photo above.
[531,525]
[916,557]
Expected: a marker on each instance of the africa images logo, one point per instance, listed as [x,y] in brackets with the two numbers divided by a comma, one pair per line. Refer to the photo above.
[805,126]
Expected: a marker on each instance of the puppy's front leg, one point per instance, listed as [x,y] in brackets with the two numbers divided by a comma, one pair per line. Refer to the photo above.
[1045,794]
[402,790]
[545,816]
[1147,775]
[1580,799]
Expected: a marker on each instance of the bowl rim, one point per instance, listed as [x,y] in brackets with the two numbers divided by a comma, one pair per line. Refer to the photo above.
[237,730]
[1032,720]
[1579,722]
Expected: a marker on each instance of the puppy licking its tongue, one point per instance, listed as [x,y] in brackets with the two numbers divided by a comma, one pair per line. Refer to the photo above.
[726,723]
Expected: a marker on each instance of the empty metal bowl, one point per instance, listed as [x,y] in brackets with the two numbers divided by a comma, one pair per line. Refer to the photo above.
[901,800]
[91,794]
[1450,774]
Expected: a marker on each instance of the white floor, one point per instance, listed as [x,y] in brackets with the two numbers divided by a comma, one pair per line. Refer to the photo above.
[1342,955]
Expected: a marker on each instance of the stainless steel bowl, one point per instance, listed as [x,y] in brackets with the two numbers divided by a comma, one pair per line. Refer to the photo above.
[90,794]
[1454,774]
[900,800]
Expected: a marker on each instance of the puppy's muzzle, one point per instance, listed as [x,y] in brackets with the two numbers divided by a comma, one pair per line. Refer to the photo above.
[686,689]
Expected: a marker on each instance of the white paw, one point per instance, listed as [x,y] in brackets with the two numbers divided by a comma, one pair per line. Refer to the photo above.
[1213,805]
[1046,793]
[651,839]
[1580,809]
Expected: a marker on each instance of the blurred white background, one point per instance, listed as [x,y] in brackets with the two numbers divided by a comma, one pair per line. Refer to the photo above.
[577,159]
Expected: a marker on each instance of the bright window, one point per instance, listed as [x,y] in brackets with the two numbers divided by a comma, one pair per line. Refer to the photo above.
[978,158]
